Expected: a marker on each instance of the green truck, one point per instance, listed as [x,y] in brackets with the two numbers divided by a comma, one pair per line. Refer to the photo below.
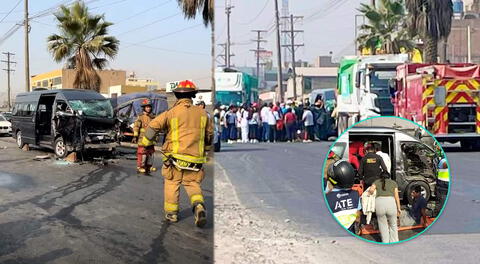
[235,87]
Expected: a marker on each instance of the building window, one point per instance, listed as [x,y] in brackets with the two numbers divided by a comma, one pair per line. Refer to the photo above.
[45,83]
[57,80]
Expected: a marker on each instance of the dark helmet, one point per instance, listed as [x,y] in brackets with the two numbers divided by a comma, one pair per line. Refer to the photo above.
[342,174]
[146,102]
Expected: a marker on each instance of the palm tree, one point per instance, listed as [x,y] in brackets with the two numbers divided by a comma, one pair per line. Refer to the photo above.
[431,20]
[191,7]
[385,29]
[84,43]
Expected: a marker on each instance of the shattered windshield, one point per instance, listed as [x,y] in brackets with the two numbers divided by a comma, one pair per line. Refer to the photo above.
[93,108]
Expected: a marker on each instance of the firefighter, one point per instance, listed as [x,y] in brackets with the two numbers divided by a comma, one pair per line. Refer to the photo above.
[144,152]
[189,133]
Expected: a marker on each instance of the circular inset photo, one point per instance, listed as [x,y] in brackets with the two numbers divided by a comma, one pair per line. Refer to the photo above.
[386,180]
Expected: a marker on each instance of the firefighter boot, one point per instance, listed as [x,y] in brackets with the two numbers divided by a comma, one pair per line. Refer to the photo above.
[171,217]
[200,215]
[141,170]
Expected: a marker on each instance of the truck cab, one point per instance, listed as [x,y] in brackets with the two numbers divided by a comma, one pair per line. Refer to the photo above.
[413,162]
[366,86]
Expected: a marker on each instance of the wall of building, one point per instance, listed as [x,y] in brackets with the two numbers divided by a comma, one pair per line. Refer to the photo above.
[149,84]
[108,78]
[457,45]
[120,90]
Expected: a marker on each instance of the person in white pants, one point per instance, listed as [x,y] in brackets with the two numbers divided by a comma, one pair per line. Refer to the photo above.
[244,126]
[387,207]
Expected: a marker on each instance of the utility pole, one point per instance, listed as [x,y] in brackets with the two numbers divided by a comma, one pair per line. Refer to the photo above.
[279,52]
[469,45]
[27,56]
[223,54]
[292,47]
[8,70]
[228,11]
[259,49]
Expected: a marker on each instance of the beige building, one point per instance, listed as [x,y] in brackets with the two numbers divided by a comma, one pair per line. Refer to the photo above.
[63,78]
[458,44]
[149,84]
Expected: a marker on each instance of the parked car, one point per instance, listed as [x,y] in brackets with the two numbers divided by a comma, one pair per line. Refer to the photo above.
[7,115]
[64,120]
[5,126]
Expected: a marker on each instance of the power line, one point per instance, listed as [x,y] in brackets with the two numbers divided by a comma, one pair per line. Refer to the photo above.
[257,16]
[324,12]
[43,13]
[168,50]
[143,12]
[166,35]
[109,4]
[292,47]
[11,10]
[259,49]
[149,24]
[8,70]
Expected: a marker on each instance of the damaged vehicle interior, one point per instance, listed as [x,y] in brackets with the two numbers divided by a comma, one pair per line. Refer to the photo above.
[65,121]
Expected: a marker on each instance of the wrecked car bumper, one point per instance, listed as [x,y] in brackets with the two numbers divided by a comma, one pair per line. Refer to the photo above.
[101,146]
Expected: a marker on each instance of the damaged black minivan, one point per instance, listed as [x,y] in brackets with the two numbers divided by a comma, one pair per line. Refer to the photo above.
[65,120]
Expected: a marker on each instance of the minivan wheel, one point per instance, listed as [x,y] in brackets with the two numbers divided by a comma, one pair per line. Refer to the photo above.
[425,190]
[60,148]
[20,143]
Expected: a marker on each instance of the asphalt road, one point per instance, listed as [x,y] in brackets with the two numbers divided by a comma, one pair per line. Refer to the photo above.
[53,212]
[283,181]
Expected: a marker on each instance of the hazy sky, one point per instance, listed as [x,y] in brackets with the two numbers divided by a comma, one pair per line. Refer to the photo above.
[328,25]
[170,56]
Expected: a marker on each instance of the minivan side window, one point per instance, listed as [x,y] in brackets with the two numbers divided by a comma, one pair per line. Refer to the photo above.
[24,109]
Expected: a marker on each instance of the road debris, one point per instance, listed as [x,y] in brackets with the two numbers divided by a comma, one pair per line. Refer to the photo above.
[42,157]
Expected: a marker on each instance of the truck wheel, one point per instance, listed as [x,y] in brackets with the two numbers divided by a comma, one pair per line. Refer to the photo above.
[60,148]
[426,193]
[20,142]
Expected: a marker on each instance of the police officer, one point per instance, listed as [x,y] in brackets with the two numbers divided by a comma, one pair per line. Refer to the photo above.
[189,133]
[443,180]
[342,200]
[144,152]
[371,166]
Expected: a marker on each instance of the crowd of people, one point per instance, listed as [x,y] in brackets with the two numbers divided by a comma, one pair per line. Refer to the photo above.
[280,122]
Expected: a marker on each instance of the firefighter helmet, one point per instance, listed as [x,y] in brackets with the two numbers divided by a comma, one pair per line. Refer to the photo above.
[185,87]
[146,102]
[342,174]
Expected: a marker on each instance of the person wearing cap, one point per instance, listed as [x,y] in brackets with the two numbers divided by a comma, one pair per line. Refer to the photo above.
[189,134]
[371,166]
[144,153]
